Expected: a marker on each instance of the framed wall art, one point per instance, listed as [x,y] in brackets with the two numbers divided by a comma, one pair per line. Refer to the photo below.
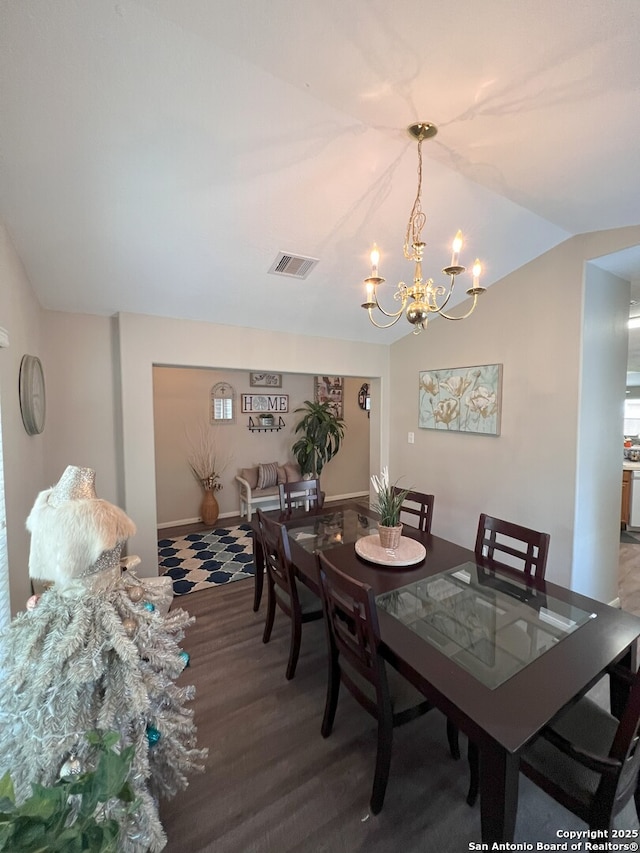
[461,399]
[265,380]
[329,389]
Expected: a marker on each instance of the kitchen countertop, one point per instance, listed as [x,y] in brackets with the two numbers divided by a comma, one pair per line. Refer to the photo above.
[630,466]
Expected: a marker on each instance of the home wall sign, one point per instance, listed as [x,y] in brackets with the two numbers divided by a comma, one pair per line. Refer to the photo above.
[276,403]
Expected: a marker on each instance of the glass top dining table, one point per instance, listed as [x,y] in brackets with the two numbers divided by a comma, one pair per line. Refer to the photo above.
[501,656]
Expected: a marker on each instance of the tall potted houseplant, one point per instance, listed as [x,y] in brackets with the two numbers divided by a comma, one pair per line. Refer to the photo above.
[321,432]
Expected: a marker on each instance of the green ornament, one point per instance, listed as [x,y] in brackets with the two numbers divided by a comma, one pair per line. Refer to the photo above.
[186,657]
[149,606]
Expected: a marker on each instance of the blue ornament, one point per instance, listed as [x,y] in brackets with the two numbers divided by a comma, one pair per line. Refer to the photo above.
[186,657]
[153,735]
[149,606]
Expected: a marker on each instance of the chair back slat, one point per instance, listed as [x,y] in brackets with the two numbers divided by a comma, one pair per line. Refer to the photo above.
[528,548]
[305,493]
[419,506]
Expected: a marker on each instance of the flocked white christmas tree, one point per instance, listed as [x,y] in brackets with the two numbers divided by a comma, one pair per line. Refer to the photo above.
[98,650]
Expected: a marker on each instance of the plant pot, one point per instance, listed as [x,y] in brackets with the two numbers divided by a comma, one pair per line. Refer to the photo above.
[209,509]
[390,536]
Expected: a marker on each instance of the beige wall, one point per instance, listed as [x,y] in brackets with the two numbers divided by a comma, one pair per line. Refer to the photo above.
[21,316]
[147,341]
[532,323]
[181,404]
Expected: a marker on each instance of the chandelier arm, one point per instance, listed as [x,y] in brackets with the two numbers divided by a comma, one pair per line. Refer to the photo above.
[395,314]
[384,325]
[462,316]
[448,297]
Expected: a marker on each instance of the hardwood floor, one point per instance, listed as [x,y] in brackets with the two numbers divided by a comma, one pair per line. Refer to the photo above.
[274,785]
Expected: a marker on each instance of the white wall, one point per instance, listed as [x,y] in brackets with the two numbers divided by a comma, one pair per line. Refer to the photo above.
[145,341]
[600,432]
[531,322]
[21,315]
[83,399]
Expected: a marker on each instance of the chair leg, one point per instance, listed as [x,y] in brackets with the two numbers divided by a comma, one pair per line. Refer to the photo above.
[271,613]
[452,737]
[257,591]
[473,756]
[294,650]
[383,763]
[333,690]
[636,797]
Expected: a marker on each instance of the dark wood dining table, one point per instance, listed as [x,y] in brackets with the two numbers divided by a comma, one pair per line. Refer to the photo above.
[501,718]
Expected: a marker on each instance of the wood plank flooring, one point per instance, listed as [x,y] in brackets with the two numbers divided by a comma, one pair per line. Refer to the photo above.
[274,785]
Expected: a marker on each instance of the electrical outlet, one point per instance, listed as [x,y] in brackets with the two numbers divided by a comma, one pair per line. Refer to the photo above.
[411,438]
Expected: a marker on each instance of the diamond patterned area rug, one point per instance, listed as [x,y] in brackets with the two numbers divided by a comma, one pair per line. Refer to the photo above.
[201,560]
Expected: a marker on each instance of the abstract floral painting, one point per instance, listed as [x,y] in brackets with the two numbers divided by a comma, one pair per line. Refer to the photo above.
[461,399]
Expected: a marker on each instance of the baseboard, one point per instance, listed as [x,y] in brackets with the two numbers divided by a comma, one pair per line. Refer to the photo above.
[349,497]
[197,520]
[615,603]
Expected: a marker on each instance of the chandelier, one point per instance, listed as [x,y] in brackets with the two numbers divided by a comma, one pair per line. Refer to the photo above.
[423,297]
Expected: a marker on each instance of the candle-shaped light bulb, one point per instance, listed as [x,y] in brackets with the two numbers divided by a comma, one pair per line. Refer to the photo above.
[375,260]
[455,247]
[477,269]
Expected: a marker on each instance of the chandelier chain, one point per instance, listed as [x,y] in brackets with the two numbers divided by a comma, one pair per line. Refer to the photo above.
[417,218]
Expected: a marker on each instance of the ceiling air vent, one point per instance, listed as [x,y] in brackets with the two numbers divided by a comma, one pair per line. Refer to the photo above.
[295,266]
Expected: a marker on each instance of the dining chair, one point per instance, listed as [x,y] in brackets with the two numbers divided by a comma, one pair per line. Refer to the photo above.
[302,493]
[418,505]
[495,535]
[587,760]
[296,600]
[354,660]
[525,550]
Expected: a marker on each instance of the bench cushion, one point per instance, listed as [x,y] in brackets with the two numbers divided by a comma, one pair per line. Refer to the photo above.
[251,476]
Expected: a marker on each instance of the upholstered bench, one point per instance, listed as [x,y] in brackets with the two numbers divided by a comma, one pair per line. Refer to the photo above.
[259,485]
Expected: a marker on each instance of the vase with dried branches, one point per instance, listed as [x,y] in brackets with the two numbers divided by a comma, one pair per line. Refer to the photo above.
[207,467]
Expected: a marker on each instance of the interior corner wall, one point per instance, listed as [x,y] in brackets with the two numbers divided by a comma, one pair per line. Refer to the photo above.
[21,316]
[147,341]
[82,399]
[531,323]
[600,432]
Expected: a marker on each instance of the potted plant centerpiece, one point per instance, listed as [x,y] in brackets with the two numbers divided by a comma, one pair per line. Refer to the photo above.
[207,469]
[321,433]
[388,505]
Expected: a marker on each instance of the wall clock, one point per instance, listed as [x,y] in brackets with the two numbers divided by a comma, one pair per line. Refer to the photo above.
[32,394]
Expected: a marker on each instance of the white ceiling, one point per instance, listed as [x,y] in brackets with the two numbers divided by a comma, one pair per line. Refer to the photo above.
[156,155]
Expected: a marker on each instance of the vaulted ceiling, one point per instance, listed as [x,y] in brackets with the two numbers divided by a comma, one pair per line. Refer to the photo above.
[157,155]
